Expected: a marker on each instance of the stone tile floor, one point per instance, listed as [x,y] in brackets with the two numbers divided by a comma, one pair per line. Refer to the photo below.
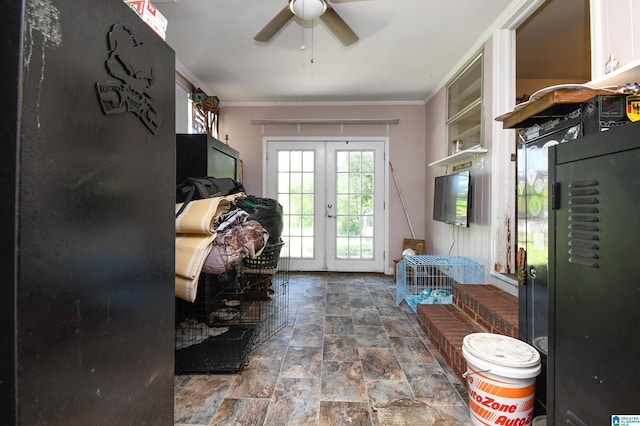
[348,356]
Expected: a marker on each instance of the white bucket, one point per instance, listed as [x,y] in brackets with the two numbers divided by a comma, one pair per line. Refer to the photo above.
[501,378]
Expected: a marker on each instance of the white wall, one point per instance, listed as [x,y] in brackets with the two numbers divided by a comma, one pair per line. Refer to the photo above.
[182,109]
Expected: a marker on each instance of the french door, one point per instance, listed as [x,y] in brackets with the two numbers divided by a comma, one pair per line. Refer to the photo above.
[333,196]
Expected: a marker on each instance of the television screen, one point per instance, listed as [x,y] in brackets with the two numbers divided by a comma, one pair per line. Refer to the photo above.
[451,198]
[223,162]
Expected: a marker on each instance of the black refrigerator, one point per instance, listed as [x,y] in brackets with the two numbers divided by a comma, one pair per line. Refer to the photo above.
[88,194]
[594,290]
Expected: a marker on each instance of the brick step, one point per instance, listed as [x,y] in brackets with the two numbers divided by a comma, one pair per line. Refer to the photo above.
[476,308]
[446,326]
[493,309]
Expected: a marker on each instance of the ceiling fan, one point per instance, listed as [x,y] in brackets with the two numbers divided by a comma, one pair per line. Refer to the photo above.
[308,10]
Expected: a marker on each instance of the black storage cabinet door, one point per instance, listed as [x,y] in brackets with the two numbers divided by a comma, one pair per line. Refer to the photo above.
[594,291]
[87,216]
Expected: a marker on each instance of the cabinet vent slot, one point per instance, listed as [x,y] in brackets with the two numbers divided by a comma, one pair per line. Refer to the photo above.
[586,200]
[582,183]
[583,219]
[584,253]
[577,192]
[583,236]
[583,262]
[581,227]
[583,244]
[583,209]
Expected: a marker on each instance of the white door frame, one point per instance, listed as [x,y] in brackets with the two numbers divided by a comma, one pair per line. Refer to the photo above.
[315,139]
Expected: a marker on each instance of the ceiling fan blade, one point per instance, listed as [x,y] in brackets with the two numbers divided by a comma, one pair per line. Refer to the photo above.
[338,27]
[275,25]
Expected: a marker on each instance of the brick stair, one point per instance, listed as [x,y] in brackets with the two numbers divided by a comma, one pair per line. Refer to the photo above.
[476,308]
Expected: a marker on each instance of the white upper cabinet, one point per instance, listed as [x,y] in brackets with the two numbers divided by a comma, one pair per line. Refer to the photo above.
[614,31]
[464,107]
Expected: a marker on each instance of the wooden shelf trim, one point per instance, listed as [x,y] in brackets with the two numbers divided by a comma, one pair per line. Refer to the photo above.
[629,73]
[515,118]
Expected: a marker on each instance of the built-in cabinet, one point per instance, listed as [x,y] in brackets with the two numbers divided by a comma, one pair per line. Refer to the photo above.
[614,31]
[464,116]
[464,108]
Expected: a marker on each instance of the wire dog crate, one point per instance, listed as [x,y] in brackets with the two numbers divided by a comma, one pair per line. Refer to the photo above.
[268,277]
[233,312]
[216,332]
[429,278]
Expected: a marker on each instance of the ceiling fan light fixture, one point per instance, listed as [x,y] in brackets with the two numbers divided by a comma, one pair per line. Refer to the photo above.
[308,9]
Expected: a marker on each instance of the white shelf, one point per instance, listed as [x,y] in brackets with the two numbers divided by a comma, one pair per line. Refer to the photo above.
[459,156]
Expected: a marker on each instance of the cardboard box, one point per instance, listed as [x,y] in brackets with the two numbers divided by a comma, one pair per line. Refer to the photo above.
[149,14]
[412,243]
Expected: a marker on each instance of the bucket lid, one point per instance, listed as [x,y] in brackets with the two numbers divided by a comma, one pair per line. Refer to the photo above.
[501,350]
[539,421]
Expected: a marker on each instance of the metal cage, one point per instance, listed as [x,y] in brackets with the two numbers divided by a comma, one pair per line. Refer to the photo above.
[429,278]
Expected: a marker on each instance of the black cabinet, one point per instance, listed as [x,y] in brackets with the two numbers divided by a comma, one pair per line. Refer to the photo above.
[594,295]
[199,155]
[87,216]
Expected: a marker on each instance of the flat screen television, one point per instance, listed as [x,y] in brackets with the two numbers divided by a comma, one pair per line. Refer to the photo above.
[452,198]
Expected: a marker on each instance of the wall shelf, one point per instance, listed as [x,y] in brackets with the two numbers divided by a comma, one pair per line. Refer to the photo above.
[460,156]
[563,100]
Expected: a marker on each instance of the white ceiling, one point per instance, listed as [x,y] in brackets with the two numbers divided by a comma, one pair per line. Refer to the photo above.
[407,48]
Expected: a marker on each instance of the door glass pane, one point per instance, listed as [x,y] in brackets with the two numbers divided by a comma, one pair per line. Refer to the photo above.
[354,205]
[295,194]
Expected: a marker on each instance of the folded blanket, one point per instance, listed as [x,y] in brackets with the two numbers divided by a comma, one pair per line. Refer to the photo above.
[200,216]
[195,231]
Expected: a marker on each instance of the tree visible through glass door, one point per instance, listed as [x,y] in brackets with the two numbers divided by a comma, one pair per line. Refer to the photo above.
[296,193]
[354,204]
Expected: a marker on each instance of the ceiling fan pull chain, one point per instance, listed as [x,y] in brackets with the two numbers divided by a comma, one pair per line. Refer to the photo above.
[311,41]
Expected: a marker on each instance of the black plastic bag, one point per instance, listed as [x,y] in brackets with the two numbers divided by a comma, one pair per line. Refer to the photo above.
[205,187]
[267,211]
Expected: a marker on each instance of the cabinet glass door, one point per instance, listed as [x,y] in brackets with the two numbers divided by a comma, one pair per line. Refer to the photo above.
[464,108]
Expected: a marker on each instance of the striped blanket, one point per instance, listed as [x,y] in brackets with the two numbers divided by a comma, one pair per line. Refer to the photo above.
[195,232]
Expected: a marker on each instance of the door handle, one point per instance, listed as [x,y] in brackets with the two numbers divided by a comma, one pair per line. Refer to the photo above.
[329,206]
